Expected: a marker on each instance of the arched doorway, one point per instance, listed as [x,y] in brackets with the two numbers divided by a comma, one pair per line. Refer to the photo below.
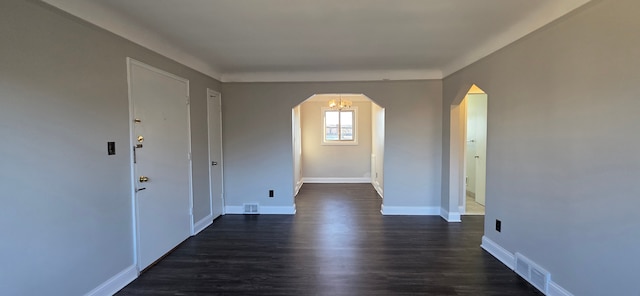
[467,165]
[338,145]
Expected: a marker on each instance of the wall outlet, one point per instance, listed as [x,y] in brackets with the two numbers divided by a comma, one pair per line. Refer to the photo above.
[271,193]
[498,225]
[111,148]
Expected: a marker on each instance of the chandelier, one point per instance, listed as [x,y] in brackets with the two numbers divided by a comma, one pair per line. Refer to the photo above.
[339,103]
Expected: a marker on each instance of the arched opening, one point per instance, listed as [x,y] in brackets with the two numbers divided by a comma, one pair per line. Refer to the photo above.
[467,165]
[475,155]
[338,145]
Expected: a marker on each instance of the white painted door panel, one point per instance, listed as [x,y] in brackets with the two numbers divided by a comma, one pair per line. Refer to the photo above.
[215,153]
[163,208]
[481,147]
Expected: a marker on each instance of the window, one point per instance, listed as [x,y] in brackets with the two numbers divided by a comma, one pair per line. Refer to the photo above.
[339,126]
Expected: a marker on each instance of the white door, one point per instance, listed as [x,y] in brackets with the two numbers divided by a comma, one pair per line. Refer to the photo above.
[215,153]
[161,165]
[481,147]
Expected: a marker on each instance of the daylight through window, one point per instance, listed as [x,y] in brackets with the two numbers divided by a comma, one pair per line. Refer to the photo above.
[339,125]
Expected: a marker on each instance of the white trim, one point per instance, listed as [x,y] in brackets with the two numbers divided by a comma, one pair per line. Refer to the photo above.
[189,153]
[354,142]
[378,188]
[302,76]
[220,161]
[209,163]
[234,210]
[202,224]
[509,259]
[134,200]
[450,216]
[336,180]
[555,290]
[121,25]
[551,11]
[278,210]
[299,184]
[410,211]
[115,283]
[499,252]
[130,62]
[264,210]
[117,23]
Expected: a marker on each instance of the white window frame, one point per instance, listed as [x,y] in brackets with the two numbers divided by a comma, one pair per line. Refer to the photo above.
[340,142]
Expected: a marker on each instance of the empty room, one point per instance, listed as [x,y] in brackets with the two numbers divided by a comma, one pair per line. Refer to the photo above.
[419,147]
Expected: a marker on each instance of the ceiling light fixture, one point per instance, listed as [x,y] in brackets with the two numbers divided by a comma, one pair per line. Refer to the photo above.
[340,103]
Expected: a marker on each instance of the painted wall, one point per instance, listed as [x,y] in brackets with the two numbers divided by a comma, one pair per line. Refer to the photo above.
[258,148]
[562,165]
[335,161]
[66,214]
[377,148]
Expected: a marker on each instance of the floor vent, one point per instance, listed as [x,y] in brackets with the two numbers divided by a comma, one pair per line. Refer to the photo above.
[533,273]
[250,209]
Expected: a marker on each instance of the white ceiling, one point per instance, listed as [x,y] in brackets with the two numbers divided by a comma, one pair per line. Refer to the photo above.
[321,40]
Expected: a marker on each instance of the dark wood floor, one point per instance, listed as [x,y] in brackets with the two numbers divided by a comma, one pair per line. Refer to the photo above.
[338,243]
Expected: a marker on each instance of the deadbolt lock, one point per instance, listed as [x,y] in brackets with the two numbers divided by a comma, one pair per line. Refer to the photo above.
[144,179]
[140,139]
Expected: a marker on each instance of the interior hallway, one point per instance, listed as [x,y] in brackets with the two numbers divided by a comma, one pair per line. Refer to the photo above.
[473,207]
[338,243]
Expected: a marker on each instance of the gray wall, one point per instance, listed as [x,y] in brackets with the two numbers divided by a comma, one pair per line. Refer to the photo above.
[65,218]
[335,161]
[562,163]
[258,148]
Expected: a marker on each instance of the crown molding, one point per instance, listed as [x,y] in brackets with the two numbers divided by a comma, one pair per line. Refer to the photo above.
[536,20]
[319,76]
[118,24]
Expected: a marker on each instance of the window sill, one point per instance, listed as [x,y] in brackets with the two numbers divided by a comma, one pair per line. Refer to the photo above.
[340,143]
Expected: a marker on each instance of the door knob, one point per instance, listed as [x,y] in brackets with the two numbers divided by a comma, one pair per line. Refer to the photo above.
[144,179]
[214,163]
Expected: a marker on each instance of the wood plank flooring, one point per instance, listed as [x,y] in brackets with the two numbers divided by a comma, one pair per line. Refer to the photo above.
[338,243]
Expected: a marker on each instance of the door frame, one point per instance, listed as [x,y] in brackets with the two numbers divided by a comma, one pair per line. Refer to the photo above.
[220,161]
[134,203]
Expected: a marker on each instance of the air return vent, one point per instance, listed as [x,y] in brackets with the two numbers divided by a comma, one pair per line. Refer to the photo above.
[251,209]
[533,273]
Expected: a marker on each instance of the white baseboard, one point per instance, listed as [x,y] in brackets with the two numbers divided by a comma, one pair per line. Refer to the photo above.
[450,216]
[115,283]
[410,211]
[555,290]
[506,257]
[378,188]
[337,180]
[298,186]
[264,210]
[202,224]
[509,259]
[233,210]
